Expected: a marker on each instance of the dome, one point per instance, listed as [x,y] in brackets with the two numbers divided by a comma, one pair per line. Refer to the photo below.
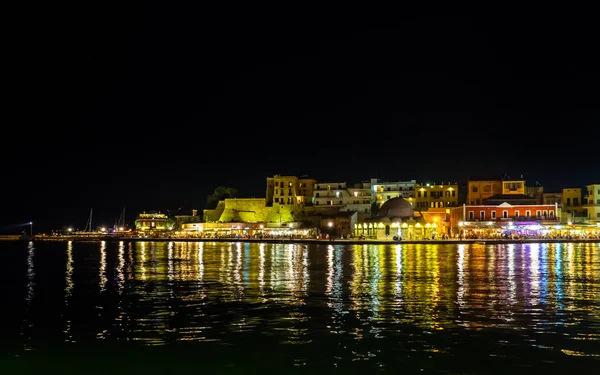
[396,208]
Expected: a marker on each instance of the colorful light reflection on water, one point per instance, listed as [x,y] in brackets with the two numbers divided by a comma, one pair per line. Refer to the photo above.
[235,307]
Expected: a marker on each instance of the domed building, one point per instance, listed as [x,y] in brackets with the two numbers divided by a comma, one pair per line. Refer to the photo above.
[396,209]
[396,220]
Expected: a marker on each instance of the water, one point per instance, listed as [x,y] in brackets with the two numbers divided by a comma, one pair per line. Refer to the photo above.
[243,308]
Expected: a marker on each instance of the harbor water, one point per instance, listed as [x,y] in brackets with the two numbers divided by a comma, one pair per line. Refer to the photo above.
[117,307]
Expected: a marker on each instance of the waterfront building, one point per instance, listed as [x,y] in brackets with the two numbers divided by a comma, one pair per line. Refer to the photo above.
[333,194]
[154,222]
[432,195]
[289,191]
[340,225]
[573,210]
[397,219]
[593,204]
[552,198]
[345,199]
[482,187]
[360,200]
[383,190]
[493,220]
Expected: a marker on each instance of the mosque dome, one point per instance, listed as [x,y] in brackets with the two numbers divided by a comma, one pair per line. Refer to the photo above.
[396,208]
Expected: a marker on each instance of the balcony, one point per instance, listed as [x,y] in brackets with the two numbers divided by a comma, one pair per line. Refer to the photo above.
[521,219]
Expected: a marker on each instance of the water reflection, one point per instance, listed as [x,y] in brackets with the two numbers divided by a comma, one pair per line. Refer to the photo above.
[30,272]
[295,294]
[102,268]
[69,272]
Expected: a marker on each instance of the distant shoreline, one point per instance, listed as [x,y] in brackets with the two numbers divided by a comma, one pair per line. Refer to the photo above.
[305,241]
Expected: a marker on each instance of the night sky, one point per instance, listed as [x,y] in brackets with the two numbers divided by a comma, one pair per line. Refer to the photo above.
[152,106]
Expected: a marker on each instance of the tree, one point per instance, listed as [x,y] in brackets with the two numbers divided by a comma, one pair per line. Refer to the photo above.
[220,193]
[374,209]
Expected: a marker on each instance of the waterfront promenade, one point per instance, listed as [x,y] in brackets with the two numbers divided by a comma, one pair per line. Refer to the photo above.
[355,241]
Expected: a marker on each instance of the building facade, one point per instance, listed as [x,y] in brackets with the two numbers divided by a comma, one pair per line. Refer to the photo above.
[289,190]
[383,191]
[494,221]
[479,189]
[428,196]
[593,203]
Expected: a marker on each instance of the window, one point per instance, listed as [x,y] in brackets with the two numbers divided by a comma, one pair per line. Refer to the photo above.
[575,201]
[568,201]
[538,213]
[505,214]
[517,213]
[493,215]
[471,215]
[453,193]
[545,213]
[481,215]
[551,213]
[474,189]
[527,213]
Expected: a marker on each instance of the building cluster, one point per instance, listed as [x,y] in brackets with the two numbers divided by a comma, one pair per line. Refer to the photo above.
[296,207]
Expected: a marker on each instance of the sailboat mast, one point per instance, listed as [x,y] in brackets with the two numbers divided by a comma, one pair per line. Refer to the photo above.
[89,223]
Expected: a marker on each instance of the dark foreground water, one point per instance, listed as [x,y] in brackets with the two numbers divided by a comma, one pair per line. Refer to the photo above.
[244,308]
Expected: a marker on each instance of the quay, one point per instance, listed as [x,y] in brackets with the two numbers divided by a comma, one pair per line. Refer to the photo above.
[354,241]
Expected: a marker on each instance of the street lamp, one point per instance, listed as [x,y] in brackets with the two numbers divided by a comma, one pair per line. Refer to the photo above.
[31,227]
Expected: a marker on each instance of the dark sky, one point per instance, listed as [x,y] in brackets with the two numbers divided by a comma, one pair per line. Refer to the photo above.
[152,106]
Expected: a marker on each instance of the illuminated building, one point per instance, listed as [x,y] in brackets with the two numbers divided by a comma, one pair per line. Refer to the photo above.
[593,204]
[383,190]
[289,190]
[396,219]
[435,196]
[152,222]
[493,219]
